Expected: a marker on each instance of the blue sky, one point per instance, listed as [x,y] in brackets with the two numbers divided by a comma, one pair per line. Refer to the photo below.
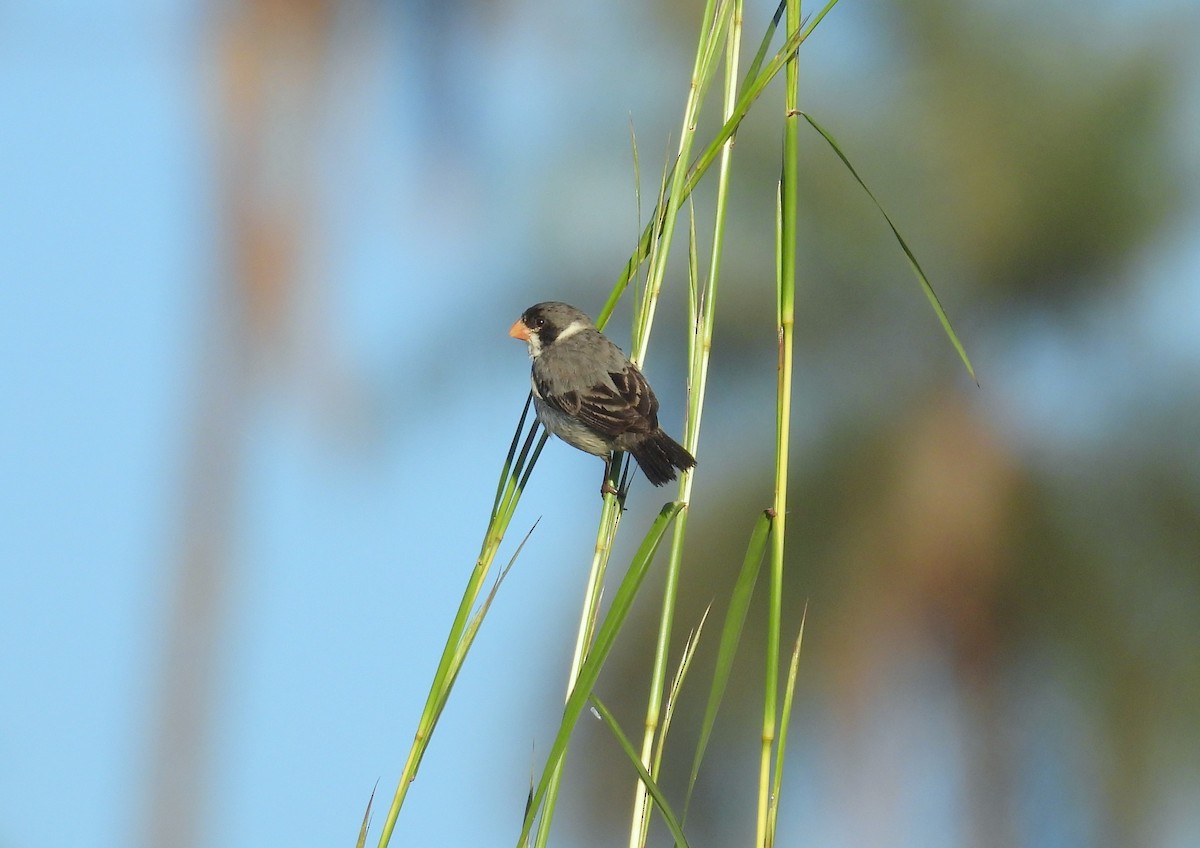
[338,593]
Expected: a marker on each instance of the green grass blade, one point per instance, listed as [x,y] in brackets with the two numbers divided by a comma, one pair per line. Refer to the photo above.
[752,72]
[693,276]
[514,476]
[761,55]
[637,172]
[537,451]
[468,637]
[752,88]
[807,29]
[512,452]
[660,800]
[731,634]
[926,286]
[606,637]
[716,17]
[701,301]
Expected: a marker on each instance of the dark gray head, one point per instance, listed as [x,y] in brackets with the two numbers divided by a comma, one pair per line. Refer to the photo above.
[543,323]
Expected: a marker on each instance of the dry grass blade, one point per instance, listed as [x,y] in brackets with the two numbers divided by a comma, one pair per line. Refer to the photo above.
[784,721]
[366,822]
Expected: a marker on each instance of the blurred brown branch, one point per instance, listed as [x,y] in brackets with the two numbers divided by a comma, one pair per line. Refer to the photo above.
[268,58]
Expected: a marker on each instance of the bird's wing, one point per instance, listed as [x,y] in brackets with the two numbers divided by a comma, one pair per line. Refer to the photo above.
[625,404]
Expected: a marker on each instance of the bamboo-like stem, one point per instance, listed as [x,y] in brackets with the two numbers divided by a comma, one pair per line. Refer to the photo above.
[702,317]
[702,346]
[610,518]
[786,287]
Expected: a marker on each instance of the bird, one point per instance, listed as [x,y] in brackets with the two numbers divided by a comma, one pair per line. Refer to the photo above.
[588,393]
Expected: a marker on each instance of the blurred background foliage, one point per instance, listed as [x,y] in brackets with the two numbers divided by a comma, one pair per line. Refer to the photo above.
[948,562]
[1002,581]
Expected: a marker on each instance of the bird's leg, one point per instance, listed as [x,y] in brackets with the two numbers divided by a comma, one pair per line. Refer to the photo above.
[607,488]
[626,480]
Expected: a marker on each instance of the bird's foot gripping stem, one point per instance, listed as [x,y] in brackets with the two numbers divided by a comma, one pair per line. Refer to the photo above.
[621,490]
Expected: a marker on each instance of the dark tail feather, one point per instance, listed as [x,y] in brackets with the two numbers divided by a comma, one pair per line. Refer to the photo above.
[659,455]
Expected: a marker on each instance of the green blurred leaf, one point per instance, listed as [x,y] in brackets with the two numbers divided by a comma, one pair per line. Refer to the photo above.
[731,634]
[926,287]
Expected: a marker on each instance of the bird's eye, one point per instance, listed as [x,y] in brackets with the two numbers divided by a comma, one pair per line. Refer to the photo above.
[539,322]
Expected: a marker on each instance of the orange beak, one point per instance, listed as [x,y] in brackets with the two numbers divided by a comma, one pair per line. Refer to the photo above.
[519,331]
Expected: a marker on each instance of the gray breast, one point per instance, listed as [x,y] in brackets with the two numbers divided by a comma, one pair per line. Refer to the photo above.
[568,429]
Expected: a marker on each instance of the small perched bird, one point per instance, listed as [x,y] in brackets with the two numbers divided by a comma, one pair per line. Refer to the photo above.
[591,396]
